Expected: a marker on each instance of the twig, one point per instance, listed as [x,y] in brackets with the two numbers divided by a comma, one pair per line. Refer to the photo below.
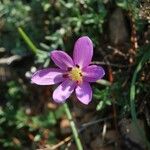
[116,51]
[54,147]
[9,60]
[69,138]
[85,125]
[110,64]
[104,131]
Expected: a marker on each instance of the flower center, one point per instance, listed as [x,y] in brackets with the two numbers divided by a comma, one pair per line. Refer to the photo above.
[75,74]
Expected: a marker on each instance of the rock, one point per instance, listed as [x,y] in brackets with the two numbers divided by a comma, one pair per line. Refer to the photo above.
[118,33]
[132,138]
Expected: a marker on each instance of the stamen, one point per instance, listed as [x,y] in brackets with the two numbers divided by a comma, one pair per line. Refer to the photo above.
[65,75]
[77,66]
[80,74]
[69,68]
[79,82]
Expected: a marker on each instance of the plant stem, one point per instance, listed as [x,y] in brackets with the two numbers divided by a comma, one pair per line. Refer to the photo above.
[73,127]
[27,40]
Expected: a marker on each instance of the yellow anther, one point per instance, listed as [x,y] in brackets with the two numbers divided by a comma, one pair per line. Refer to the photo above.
[76,74]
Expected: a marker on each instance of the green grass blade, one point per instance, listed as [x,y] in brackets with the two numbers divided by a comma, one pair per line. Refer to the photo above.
[133,93]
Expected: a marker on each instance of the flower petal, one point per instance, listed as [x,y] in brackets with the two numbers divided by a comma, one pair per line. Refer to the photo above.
[83,51]
[48,76]
[63,91]
[93,73]
[84,93]
[61,59]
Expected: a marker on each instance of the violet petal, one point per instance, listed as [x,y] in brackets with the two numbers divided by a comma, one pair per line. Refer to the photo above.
[48,76]
[61,59]
[63,91]
[93,73]
[84,93]
[83,51]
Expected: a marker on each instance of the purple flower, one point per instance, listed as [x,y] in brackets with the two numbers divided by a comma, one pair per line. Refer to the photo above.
[73,74]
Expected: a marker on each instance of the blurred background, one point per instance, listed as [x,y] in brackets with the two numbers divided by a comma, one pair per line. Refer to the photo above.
[118,116]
